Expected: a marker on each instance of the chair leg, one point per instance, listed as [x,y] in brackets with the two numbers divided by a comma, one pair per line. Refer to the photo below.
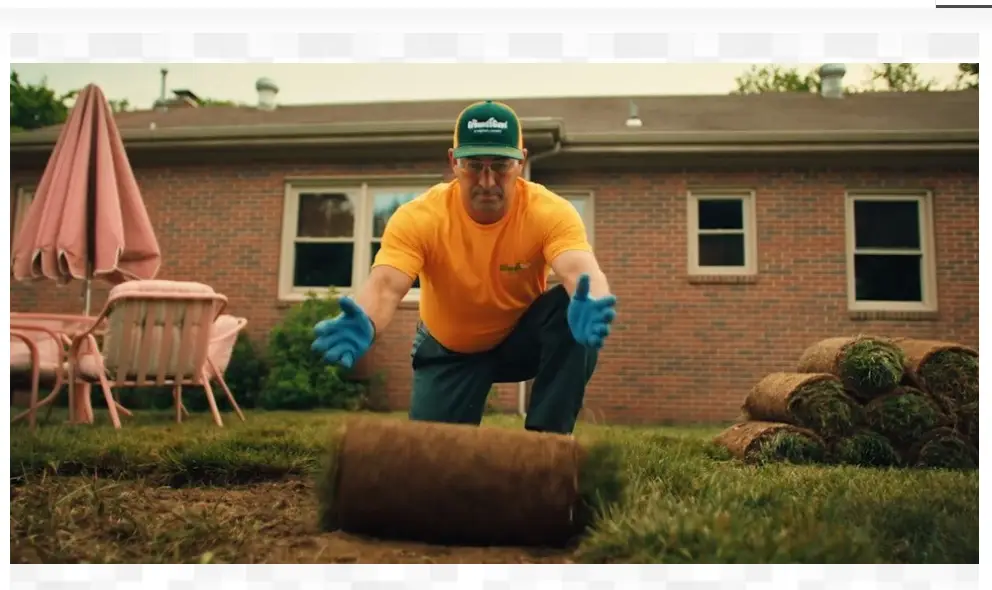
[177,399]
[230,397]
[111,402]
[212,401]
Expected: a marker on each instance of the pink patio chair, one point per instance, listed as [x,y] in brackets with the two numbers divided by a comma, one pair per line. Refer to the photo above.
[158,333]
[45,357]
[222,340]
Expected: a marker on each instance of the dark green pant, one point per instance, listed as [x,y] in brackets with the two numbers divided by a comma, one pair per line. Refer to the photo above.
[452,387]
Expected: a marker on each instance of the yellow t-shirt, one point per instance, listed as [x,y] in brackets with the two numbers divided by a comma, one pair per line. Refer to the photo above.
[477,280]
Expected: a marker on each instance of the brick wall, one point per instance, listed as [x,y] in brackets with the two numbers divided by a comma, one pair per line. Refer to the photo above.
[681,351]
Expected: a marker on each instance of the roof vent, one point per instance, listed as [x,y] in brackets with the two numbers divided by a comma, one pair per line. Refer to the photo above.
[633,119]
[267,91]
[832,80]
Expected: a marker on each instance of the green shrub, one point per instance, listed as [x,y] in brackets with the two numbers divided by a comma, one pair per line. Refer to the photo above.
[298,379]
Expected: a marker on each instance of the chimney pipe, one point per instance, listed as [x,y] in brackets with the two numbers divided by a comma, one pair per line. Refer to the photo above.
[161,103]
[267,91]
[832,80]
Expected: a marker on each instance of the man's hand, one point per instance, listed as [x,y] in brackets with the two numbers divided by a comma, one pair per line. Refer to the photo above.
[344,339]
[588,318]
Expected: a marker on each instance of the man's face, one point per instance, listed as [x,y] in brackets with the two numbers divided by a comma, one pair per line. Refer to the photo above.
[486,182]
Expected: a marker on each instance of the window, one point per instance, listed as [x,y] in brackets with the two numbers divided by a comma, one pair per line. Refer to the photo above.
[332,231]
[722,237]
[25,195]
[890,252]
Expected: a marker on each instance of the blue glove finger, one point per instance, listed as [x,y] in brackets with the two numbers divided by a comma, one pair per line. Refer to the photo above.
[335,353]
[347,360]
[324,327]
[582,288]
[601,331]
[605,302]
[325,342]
[350,308]
[607,315]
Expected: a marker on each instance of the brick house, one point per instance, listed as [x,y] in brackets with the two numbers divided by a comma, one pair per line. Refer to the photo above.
[735,230]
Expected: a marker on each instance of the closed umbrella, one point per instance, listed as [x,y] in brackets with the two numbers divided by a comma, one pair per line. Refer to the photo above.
[87,220]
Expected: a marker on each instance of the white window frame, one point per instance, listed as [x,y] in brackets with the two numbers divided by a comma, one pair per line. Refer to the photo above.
[747,198]
[928,272]
[361,191]
[24,198]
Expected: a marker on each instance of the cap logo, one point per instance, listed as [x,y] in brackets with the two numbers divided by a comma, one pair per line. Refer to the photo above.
[490,125]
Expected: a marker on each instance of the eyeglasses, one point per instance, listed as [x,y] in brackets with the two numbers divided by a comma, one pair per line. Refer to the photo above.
[477,167]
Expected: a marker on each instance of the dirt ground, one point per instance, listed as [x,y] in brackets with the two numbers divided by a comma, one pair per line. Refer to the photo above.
[97,521]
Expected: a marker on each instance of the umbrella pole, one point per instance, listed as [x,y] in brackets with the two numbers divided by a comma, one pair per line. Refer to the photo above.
[87,297]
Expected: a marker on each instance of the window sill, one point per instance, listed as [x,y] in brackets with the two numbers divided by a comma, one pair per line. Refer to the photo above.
[878,315]
[741,279]
[286,300]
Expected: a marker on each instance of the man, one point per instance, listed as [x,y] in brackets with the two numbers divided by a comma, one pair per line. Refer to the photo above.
[481,245]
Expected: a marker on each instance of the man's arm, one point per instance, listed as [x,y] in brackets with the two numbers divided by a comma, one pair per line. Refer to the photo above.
[381,295]
[570,255]
[571,264]
[400,258]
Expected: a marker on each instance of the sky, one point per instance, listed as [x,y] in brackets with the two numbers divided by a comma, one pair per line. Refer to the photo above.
[373,82]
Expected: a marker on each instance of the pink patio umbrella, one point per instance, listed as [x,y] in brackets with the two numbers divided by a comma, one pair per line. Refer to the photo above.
[87,220]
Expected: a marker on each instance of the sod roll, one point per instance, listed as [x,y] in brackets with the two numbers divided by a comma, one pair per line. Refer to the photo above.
[904,415]
[760,441]
[946,369]
[866,449]
[968,422]
[868,366]
[454,484]
[816,401]
[943,448]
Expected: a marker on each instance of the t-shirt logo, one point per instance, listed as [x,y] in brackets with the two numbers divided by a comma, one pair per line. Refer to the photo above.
[514,267]
[490,125]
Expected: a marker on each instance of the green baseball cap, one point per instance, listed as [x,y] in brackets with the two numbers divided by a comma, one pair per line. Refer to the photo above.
[488,129]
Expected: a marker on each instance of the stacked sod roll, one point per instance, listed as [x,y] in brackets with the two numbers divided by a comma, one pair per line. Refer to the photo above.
[868,401]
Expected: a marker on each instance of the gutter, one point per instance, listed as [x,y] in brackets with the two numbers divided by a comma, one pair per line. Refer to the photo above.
[275,135]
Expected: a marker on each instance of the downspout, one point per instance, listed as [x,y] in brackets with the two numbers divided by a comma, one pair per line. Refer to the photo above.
[522,385]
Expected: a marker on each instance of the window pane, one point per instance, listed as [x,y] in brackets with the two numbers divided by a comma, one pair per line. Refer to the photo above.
[887,278]
[721,250]
[325,215]
[887,224]
[721,214]
[580,206]
[323,265]
[375,250]
[384,205]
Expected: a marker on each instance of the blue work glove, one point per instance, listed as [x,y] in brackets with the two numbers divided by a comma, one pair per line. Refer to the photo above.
[344,339]
[588,318]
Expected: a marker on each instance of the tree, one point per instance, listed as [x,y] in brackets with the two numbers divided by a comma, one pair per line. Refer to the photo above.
[968,76]
[33,106]
[888,77]
[758,80]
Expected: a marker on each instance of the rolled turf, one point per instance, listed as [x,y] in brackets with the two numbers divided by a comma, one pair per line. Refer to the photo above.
[816,401]
[904,415]
[968,422]
[943,448]
[946,369]
[761,442]
[868,366]
[464,485]
[866,449]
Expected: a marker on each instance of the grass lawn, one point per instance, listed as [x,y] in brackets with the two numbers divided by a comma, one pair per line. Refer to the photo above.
[161,492]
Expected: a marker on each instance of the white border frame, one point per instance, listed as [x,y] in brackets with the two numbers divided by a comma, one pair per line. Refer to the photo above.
[748,198]
[928,274]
